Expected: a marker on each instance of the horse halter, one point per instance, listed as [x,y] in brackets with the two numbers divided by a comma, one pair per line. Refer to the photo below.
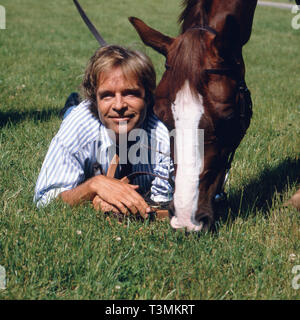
[245,101]
[244,96]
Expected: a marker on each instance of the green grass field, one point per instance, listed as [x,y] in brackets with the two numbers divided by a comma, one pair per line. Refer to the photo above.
[74,253]
[283,1]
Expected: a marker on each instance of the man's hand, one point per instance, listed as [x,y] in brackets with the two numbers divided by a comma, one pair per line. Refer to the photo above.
[116,196]
[102,205]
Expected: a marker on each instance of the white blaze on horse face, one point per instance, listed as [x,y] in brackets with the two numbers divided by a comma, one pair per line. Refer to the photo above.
[187,112]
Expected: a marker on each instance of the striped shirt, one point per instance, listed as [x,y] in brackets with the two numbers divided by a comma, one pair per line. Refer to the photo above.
[83,140]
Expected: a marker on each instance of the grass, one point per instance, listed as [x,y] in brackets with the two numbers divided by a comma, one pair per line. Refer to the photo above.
[283,1]
[74,253]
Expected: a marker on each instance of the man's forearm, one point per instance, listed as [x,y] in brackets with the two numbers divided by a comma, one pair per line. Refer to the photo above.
[83,192]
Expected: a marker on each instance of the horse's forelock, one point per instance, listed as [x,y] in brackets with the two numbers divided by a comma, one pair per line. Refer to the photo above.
[194,10]
[185,59]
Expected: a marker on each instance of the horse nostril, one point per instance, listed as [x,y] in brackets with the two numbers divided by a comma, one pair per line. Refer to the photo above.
[207,222]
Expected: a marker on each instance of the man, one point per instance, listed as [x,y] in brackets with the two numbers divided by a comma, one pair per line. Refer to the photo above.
[118,86]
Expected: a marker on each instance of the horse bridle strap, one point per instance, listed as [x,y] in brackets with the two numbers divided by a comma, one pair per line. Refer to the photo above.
[205,28]
[244,93]
[225,71]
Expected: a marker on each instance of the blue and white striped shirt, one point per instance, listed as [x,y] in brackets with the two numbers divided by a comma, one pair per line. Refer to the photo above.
[83,140]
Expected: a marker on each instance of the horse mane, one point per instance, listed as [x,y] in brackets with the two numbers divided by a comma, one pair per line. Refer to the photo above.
[195,12]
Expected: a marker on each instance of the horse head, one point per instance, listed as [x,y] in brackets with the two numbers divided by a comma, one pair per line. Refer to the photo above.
[203,87]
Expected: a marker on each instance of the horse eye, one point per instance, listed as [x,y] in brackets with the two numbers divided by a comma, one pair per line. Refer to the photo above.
[230,117]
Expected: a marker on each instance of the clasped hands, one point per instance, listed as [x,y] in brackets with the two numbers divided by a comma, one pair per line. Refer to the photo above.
[117,196]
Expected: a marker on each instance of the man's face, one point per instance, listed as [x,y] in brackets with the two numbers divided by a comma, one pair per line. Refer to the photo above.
[120,100]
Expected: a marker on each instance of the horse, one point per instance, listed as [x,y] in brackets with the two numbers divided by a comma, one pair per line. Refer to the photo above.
[203,88]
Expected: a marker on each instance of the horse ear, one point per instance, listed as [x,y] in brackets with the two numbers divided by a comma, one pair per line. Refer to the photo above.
[151,37]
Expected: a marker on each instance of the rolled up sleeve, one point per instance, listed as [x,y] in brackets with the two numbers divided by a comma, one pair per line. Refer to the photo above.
[60,171]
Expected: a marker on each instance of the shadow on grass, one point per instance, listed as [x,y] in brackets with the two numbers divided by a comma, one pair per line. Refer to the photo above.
[14,117]
[259,193]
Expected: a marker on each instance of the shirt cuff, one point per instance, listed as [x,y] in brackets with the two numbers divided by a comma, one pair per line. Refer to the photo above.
[161,198]
[49,196]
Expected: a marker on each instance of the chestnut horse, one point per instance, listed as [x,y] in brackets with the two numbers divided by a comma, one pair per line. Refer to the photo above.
[203,87]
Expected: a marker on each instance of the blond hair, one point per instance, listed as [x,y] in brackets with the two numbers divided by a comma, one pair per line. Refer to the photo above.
[133,64]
